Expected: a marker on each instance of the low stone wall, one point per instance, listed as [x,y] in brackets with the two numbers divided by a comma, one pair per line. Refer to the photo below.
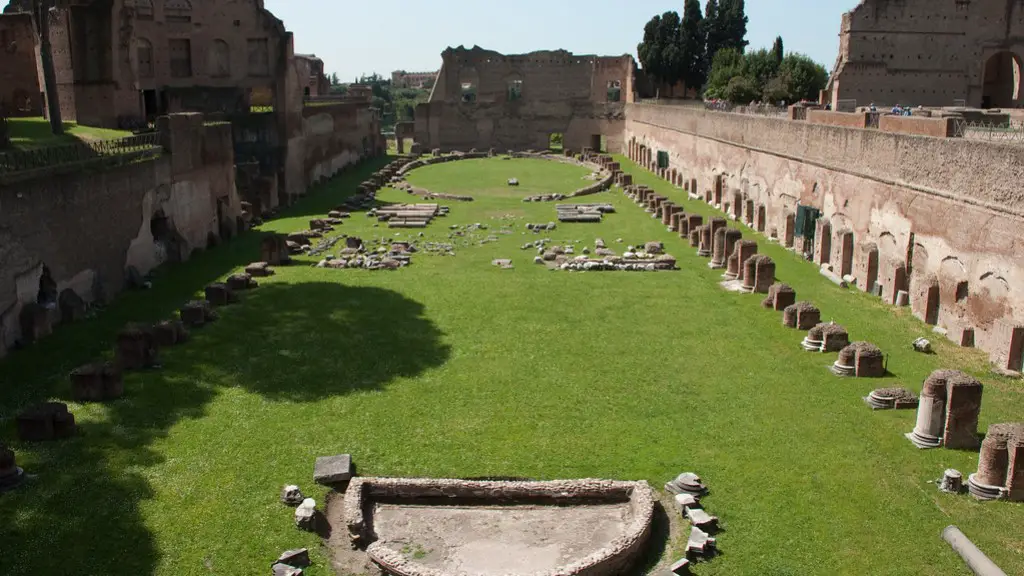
[845,119]
[918,126]
[615,558]
[939,218]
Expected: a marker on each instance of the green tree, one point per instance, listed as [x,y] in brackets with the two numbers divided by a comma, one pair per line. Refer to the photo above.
[741,90]
[727,64]
[803,77]
[778,51]
[713,36]
[732,23]
[693,46]
[335,81]
[650,50]
[760,66]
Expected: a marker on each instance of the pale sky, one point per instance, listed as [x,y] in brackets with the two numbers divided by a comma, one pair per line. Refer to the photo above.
[361,37]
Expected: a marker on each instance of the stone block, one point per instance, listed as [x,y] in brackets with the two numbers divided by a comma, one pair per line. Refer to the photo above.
[332,469]
[963,406]
[259,269]
[197,313]
[220,294]
[136,348]
[43,422]
[96,382]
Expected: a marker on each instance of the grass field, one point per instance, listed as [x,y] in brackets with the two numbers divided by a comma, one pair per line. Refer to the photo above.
[455,368]
[32,133]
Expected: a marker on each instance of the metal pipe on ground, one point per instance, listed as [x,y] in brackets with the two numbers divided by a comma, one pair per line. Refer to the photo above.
[975,558]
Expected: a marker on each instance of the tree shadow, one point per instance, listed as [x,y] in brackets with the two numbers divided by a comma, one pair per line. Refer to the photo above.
[307,341]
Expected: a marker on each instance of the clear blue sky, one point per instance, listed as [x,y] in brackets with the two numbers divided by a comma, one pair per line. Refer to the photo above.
[354,38]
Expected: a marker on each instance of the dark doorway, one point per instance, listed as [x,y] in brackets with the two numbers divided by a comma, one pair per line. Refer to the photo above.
[1002,81]
[149,105]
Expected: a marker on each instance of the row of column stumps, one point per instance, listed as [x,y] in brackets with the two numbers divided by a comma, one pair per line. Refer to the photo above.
[136,347]
[756,273]
[950,402]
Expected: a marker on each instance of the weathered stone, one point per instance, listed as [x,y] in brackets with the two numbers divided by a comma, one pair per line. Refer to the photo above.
[170,333]
[219,294]
[332,469]
[96,382]
[306,515]
[279,569]
[259,269]
[241,281]
[197,313]
[297,558]
[72,307]
[686,483]
[136,348]
[47,421]
[292,495]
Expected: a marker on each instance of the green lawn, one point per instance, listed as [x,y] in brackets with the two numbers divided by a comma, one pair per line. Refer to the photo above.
[455,368]
[31,133]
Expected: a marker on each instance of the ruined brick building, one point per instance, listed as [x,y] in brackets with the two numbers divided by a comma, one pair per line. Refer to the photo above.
[318,84]
[922,52]
[484,99]
[121,61]
[403,79]
[20,94]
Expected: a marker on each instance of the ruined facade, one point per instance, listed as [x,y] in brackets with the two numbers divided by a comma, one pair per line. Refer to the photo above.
[81,231]
[318,84]
[403,79]
[921,52]
[483,99]
[20,94]
[121,61]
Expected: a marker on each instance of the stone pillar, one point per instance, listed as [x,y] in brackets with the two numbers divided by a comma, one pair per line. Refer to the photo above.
[693,187]
[764,275]
[136,348]
[867,267]
[743,251]
[822,241]
[963,405]
[274,250]
[691,223]
[717,191]
[718,255]
[96,383]
[10,474]
[780,296]
[931,412]
[789,231]
[678,218]
[667,209]
[626,179]
[1015,471]
[219,294]
[696,234]
[707,239]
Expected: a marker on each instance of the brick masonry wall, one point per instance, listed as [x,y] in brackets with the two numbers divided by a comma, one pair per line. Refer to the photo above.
[845,119]
[88,226]
[18,75]
[942,207]
[920,126]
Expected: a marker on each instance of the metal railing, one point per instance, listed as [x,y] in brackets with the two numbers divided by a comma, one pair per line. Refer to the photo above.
[5,131]
[115,151]
[1011,132]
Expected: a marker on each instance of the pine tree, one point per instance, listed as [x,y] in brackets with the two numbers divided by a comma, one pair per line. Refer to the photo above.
[693,46]
[732,24]
[777,50]
[712,30]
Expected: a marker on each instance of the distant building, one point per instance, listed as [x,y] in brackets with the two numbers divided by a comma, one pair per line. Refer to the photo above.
[419,80]
[20,93]
[318,84]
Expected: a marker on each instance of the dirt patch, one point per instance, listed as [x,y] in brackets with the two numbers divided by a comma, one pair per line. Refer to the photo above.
[522,539]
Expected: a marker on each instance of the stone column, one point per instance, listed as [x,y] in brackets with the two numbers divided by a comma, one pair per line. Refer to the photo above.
[678,218]
[718,254]
[780,296]
[667,209]
[764,275]
[693,187]
[931,412]
[744,249]
[963,405]
[1015,471]
[691,223]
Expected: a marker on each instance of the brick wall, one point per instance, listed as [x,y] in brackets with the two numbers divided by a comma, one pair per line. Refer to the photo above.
[935,127]
[950,206]
[88,226]
[19,83]
[847,119]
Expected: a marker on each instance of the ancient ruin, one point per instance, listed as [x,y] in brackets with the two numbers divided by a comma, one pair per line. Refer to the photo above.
[43,422]
[550,525]
[826,338]
[861,360]
[801,315]
[1000,465]
[11,476]
[948,411]
[891,399]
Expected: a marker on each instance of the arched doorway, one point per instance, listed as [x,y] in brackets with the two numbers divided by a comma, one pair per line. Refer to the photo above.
[1001,84]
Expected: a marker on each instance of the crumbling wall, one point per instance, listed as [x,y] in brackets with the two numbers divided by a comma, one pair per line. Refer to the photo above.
[88,227]
[948,207]
[19,80]
[484,99]
[921,52]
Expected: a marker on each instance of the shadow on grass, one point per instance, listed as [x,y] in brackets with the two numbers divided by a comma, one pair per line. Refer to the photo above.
[308,341]
[80,512]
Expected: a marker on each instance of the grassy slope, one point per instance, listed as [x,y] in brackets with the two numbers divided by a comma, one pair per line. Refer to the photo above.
[455,368]
[31,133]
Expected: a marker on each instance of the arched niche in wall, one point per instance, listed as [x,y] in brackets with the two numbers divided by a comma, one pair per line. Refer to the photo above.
[1001,80]
[144,57]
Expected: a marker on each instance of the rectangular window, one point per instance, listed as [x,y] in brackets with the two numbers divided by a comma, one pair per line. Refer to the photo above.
[515,90]
[259,57]
[180,52]
[468,92]
[614,90]
[662,159]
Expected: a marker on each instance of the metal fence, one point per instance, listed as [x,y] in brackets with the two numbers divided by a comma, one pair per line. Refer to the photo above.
[116,151]
[5,131]
[1011,132]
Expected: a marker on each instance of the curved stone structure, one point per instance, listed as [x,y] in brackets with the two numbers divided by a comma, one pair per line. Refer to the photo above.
[616,556]
[780,297]
[802,316]
[891,398]
[826,338]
